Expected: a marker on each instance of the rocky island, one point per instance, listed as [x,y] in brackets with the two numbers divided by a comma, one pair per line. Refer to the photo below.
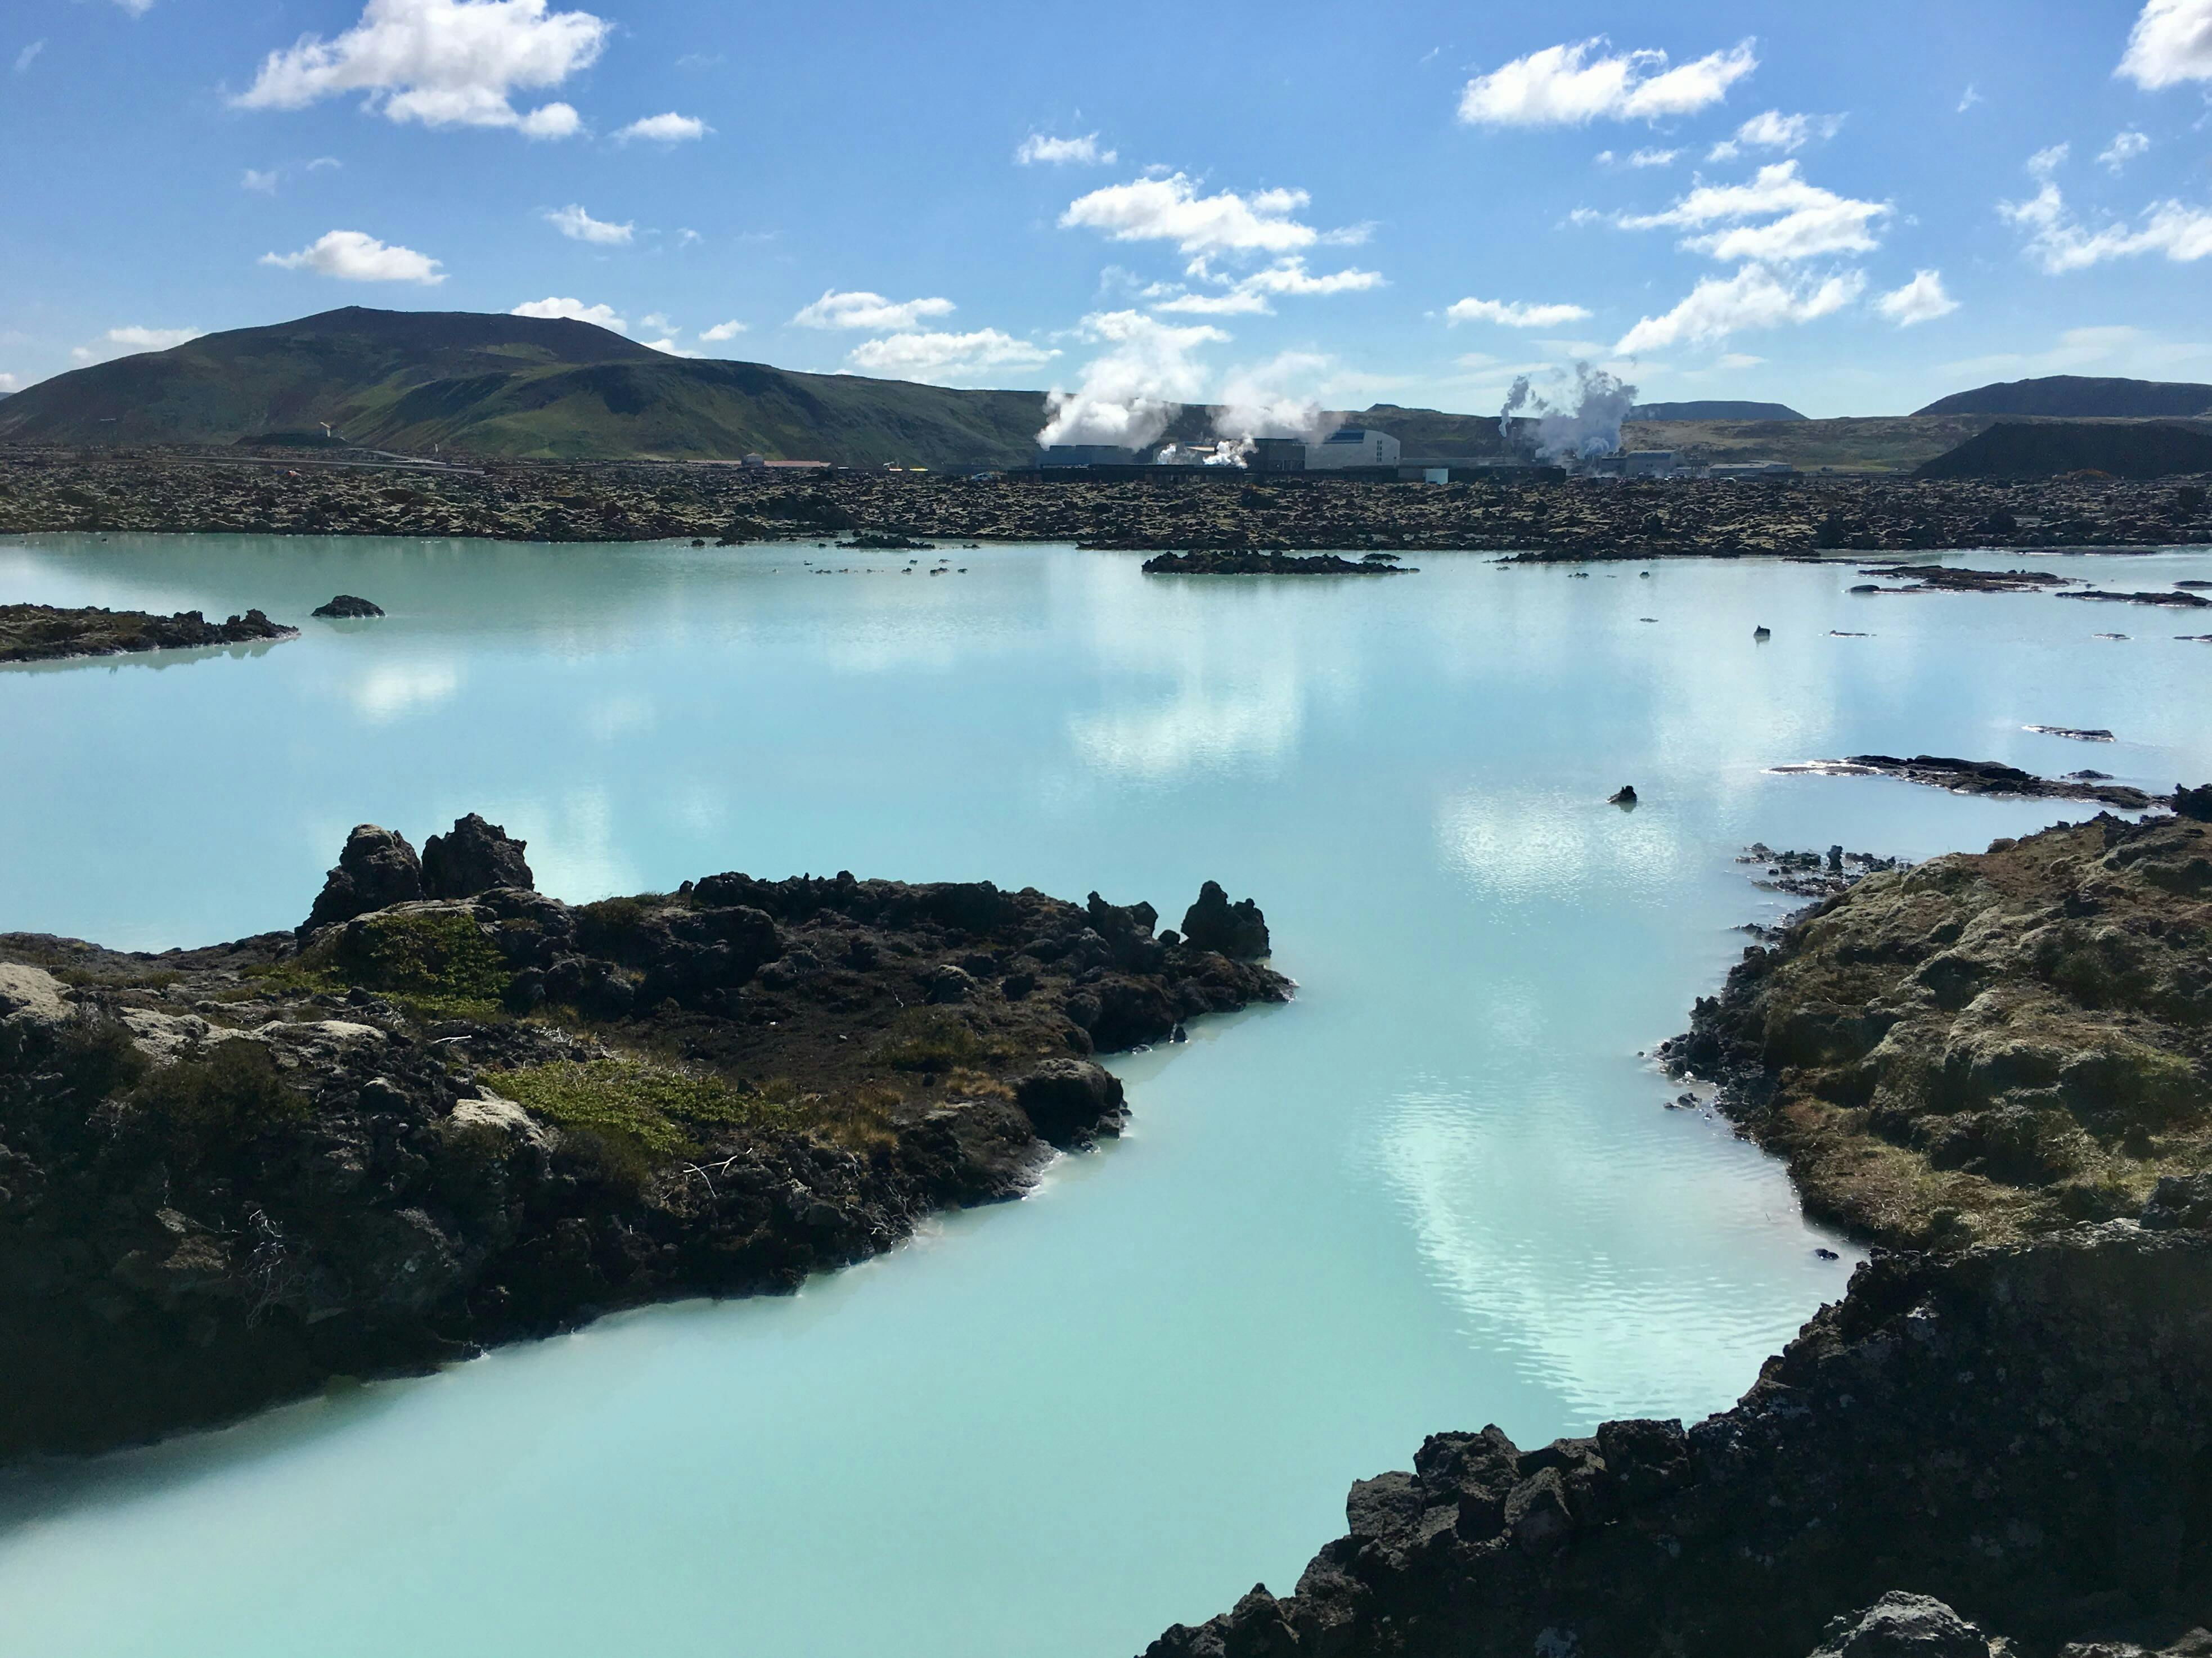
[450,1110]
[42,633]
[1999,1443]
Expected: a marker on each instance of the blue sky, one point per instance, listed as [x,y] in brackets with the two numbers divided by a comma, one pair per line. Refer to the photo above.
[1851,210]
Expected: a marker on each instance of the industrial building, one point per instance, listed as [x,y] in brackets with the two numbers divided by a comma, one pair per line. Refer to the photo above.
[1351,445]
[1087,455]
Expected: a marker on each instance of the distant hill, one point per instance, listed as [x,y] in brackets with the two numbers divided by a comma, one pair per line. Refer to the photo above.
[514,387]
[1713,410]
[2071,396]
[2040,449]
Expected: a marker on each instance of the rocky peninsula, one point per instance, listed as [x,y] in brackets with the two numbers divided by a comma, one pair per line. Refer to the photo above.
[450,1110]
[1999,1443]
[42,633]
[243,494]
[1989,777]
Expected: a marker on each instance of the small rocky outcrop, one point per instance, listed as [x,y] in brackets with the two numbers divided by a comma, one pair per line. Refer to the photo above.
[473,857]
[346,606]
[1900,1625]
[376,870]
[1232,561]
[1238,931]
[42,633]
[2023,1433]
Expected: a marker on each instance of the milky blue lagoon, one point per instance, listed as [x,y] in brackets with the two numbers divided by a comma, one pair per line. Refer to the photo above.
[1439,1190]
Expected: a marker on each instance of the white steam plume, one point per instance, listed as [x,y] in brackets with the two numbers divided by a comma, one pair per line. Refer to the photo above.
[1262,402]
[1134,388]
[1545,424]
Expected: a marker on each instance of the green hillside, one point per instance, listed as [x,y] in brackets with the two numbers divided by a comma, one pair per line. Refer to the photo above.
[2076,397]
[517,387]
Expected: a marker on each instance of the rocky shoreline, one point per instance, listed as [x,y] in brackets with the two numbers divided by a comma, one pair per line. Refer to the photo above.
[1999,1444]
[43,633]
[1989,777]
[450,1111]
[42,491]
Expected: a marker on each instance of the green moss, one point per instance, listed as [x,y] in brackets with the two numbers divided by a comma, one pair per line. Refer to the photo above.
[931,1039]
[659,1111]
[224,1099]
[438,964]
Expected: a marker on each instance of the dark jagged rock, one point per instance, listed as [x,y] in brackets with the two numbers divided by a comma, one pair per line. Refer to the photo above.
[1623,796]
[376,870]
[2195,803]
[1236,561]
[1901,1625]
[2174,601]
[1237,930]
[42,633]
[474,857]
[1957,578]
[2019,1431]
[346,606]
[1977,777]
[886,541]
[228,1175]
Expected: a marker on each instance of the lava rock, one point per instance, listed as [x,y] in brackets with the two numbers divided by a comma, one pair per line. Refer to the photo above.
[1237,930]
[346,606]
[1070,1101]
[475,857]
[376,870]
[1900,1625]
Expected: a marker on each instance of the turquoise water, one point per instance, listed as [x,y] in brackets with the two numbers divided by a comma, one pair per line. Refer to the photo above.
[1437,1190]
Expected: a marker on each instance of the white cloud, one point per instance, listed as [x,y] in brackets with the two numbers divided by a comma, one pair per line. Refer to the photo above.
[921,355]
[443,63]
[1037,150]
[1755,297]
[659,324]
[1515,313]
[869,312]
[668,129]
[685,236]
[1772,130]
[1803,221]
[1564,86]
[355,257]
[9,383]
[1969,97]
[671,347]
[577,225]
[28,55]
[1739,361]
[2060,242]
[602,316]
[2124,148]
[135,8]
[1170,210]
[723,330]
[1921,299]
[1249,295]
[126,341]
[1643,158]
[2172,42]
[1133,388]
[322,161]
[263,182]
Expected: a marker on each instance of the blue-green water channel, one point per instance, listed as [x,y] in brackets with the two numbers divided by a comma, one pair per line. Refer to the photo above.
[1439,1190]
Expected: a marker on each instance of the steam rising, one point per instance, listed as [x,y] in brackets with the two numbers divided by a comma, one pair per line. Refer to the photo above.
[1261,403]
[1542,424]
[1133,389]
